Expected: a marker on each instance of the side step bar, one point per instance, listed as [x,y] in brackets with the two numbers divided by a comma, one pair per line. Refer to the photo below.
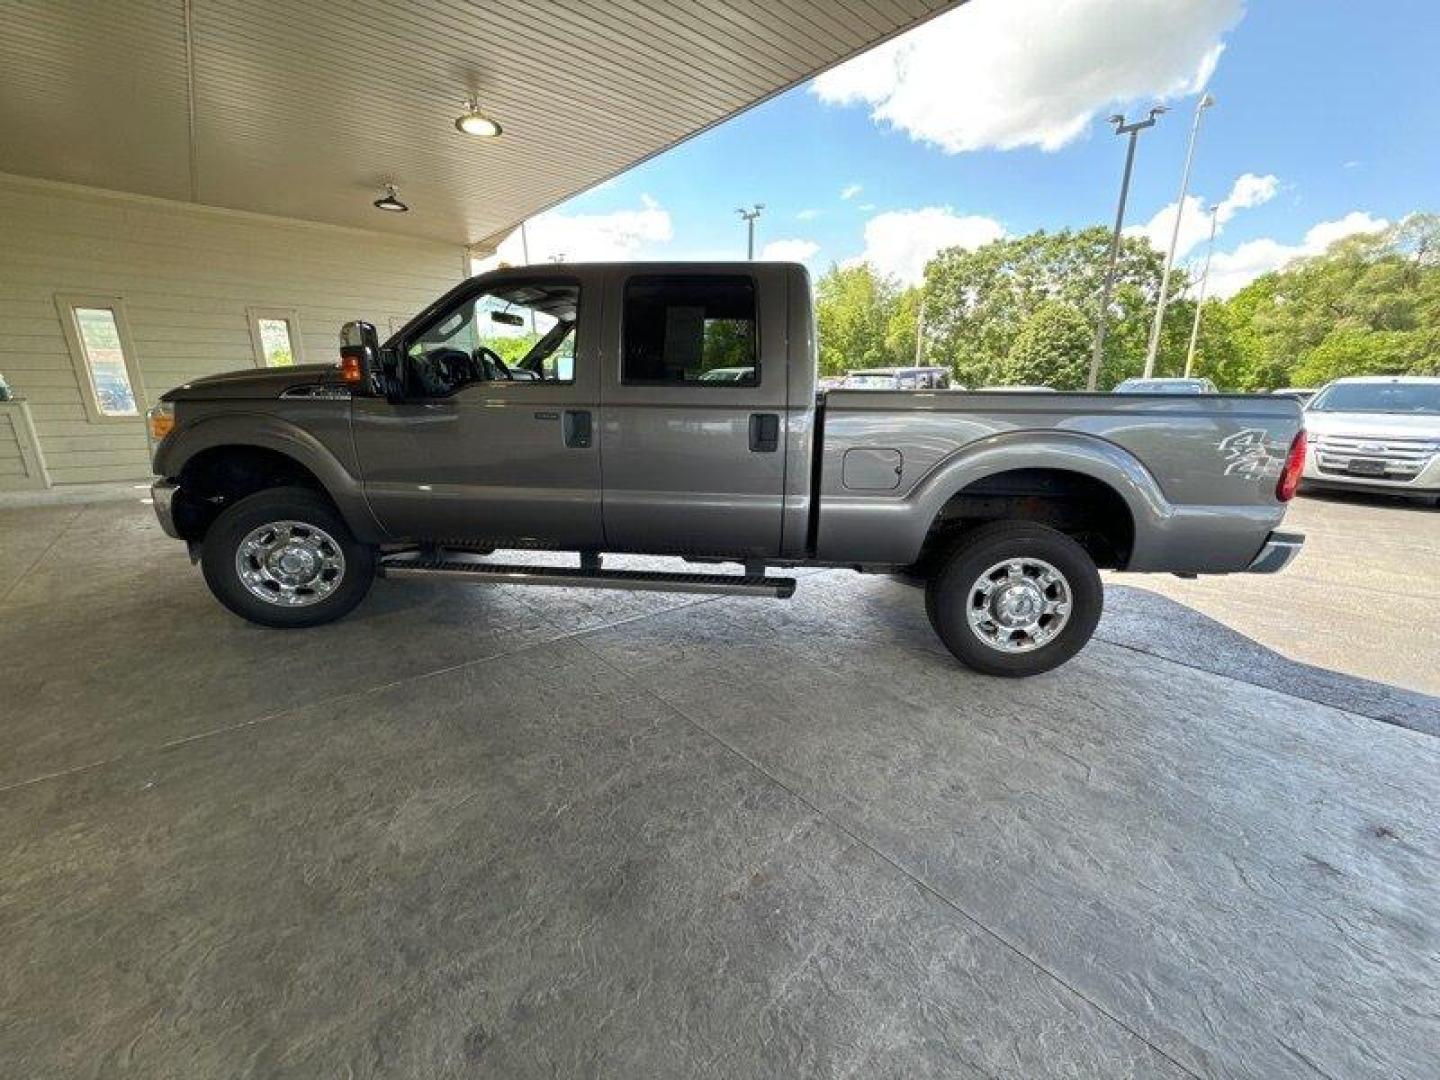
[402,568]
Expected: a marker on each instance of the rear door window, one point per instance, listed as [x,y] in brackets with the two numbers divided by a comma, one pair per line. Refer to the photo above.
[683,331]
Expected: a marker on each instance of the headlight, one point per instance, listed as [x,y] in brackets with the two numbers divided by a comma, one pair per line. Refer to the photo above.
[159,422]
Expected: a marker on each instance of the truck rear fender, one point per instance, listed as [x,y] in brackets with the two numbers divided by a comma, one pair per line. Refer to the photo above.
[243,432]
[895,530]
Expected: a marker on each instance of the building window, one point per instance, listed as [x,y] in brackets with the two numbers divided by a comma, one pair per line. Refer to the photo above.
[276,336]
[97,332]
[693,330]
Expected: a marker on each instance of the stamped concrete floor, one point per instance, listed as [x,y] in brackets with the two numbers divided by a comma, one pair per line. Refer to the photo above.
[492,831]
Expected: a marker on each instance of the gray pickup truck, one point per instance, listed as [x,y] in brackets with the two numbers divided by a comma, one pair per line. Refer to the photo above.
[578,408]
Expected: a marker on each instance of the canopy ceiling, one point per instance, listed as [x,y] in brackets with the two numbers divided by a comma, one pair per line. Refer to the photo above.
[306,109]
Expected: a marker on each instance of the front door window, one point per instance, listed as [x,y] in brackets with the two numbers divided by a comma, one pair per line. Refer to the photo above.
[516,334]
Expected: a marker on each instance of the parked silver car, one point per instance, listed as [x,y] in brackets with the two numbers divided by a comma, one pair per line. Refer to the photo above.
[1302,394]
[1166,386]
[898,378]
[1378,433]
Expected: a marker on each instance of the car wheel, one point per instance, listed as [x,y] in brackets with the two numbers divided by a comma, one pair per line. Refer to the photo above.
[1015,599]
[284,557]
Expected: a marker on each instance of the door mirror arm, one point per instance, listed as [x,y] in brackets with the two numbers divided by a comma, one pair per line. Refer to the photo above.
[391,380]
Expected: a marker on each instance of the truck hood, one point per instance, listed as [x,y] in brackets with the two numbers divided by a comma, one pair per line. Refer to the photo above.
[1373,425]
[254,382]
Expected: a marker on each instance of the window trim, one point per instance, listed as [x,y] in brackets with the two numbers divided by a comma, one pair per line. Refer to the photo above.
[65,306]
[290,317]
[693,279]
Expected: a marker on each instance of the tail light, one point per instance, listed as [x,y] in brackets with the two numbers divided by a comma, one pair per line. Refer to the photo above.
[1294,465]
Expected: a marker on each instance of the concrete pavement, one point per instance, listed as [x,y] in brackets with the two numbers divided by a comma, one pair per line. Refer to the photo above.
[541,832]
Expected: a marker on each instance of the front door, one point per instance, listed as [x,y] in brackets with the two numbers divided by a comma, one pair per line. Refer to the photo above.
[693,414]
[490,435]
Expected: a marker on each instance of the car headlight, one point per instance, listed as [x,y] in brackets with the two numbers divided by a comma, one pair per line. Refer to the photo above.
[159,422]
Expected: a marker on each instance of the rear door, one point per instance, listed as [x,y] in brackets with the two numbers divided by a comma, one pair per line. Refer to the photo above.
[693,411]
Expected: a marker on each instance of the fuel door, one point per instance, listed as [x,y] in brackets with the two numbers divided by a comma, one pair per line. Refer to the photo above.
[867,468]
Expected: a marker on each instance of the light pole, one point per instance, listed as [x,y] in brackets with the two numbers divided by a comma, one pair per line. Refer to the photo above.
[1132,130]
[749,216]
[1205,102]
[920,330]
[1200,300]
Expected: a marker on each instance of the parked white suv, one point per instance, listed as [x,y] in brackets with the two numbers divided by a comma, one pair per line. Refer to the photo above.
[1376,433]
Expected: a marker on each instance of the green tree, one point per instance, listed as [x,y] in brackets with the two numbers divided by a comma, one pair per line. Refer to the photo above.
[728,343]
[901,326]
[1370,304]
[1052,349]
[977,301]
[512,348]
[853,305]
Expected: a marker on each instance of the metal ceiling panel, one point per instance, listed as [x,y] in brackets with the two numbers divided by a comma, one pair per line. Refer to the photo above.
[305,110]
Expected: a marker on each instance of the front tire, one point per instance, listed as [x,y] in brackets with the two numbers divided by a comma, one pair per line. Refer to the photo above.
[284,557]
[1014,599]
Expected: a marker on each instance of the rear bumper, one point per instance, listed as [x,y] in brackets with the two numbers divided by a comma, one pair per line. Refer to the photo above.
[1279,552]
[1310,483]
[162,494]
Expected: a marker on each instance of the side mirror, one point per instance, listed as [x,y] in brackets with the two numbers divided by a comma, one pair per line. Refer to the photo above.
[360,367]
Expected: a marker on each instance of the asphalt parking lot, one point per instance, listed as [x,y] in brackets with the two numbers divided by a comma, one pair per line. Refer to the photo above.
[1363,598]
[523,833]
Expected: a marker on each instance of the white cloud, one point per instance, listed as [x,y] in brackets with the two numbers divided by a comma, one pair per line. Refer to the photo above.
[900,242]
[866,206]
[808,214]
[1231,271]
[789,250]
[620,235]
[849,191]
[1248,191]
[1007,73]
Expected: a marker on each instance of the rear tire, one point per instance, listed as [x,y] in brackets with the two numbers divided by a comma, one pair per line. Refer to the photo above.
[284,557]
[1015,599]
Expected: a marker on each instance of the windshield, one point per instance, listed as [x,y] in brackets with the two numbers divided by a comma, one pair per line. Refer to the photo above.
[1423,398]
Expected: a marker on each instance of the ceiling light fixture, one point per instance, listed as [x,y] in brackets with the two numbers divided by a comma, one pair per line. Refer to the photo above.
[390,202]
[473,122]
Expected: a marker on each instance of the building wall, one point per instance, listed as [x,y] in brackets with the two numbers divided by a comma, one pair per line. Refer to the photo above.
[186,276]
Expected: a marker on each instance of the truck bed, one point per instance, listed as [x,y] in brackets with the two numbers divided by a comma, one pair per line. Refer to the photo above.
[1197,473]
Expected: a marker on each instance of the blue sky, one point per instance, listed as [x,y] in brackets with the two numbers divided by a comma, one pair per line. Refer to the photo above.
[991,119]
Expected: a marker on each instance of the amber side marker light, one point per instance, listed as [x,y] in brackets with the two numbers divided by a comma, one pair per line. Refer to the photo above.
[350,368]
[1289,481]
[162,422]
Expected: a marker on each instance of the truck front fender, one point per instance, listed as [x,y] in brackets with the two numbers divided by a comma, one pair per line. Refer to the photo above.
[293,441]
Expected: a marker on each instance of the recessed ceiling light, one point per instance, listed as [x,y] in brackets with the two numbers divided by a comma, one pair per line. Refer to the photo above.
[390,201]
[473,122]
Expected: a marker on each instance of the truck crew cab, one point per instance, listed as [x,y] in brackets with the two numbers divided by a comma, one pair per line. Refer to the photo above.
[575,408]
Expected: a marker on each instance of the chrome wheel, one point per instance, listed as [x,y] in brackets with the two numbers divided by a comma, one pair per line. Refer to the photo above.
[1019,605]
[289,563]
